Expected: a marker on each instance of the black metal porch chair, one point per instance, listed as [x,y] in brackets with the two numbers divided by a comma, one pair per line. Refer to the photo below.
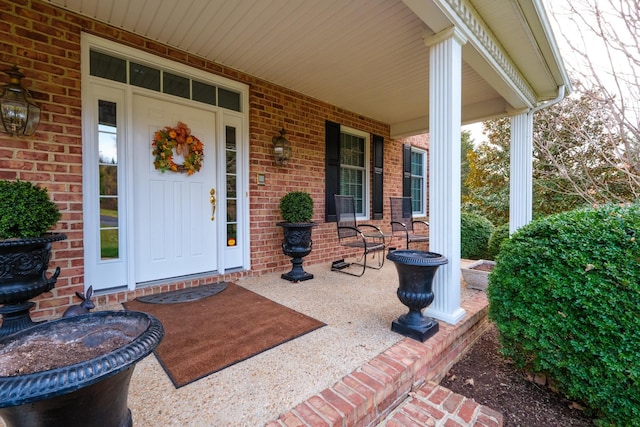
[402,222]
[367,238]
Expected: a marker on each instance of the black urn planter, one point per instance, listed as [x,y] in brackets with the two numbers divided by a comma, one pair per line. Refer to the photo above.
[87,393]
[416,270]
[297,244]
[23,270]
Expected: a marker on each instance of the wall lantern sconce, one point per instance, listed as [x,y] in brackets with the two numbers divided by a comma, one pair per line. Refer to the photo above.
[19,114]
[281,149]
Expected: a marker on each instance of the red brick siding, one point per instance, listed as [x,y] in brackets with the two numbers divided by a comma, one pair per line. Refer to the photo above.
[44,42]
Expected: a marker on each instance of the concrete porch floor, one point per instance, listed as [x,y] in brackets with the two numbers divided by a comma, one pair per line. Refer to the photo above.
[353,372]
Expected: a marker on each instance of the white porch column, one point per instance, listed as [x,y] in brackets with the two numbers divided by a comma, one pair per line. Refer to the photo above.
[445,88]
[521,171]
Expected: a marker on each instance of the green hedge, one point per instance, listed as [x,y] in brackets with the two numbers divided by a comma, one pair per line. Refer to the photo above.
[475,231]
[499,235]
[565,296]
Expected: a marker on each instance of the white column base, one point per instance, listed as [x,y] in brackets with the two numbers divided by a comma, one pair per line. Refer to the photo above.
[450,317]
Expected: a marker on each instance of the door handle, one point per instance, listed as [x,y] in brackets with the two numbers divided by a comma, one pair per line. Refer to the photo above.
[212,200]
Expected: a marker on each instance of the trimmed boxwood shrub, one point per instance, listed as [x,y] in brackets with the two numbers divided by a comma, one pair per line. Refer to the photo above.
[499,235]
[565,296]
[475,231]
[296,207]
[25,210]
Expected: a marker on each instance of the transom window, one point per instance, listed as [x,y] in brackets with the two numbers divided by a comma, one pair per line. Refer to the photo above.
[152,78]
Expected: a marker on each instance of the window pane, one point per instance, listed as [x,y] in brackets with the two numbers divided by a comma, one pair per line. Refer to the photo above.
[417,163]
[203,92]
[175,85]
[231,186]
[230,135]
[417,192]
[143,76]
[108,212]
[107,67]
[352,184]
[228,99]
[108,180]
[107,145]
[231,161]
[351,150]
[107,114]
[232,214]
[109,244]
[232,234]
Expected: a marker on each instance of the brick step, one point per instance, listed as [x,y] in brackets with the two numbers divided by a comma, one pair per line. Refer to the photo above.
[435,406]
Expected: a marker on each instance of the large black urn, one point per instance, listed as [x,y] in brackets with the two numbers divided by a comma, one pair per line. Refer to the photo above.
[91,388]
[23,269]
[416,270]
[297,244]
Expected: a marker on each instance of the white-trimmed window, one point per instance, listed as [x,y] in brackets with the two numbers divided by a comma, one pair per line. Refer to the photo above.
[354,168]
[418,181]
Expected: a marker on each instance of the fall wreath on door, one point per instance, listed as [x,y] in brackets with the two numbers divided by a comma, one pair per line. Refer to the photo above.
[177,140]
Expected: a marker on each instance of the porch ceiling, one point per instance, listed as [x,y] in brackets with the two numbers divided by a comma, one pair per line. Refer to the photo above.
[365,56]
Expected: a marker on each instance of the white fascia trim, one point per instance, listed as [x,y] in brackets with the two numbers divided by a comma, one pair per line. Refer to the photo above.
[467,20]
[548,31]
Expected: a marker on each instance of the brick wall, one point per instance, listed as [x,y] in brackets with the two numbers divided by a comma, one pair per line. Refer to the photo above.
[44,42]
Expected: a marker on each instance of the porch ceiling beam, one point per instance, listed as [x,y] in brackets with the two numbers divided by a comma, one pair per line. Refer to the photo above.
[471,113]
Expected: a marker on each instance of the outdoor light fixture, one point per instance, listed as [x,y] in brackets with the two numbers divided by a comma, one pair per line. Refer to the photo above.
[281,149]
[19,114]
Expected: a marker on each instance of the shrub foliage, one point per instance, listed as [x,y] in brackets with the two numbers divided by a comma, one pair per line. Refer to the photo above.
[475,231]
[296,207]
[565,296]
[25,210]
[499,235]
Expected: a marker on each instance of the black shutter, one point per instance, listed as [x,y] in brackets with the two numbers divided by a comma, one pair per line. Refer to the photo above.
[406,170]
[332,169]
[378,163]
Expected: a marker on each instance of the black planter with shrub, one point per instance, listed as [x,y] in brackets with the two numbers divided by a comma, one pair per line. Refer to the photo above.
[296,209]
[26,215]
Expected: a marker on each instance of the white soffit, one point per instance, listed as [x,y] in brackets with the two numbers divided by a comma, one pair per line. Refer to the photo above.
[361,55]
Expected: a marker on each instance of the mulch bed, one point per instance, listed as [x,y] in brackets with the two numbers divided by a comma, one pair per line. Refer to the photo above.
[486,376]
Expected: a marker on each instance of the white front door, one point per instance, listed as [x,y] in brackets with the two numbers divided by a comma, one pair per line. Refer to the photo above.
[175,228]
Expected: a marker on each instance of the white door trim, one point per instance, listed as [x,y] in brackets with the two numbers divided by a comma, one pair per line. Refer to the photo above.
[239,119]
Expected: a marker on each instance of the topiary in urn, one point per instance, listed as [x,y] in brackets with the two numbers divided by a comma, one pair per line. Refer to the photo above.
[296,208]
[26,215]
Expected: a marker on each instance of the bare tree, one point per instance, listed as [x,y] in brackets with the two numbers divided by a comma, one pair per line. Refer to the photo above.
[603,41]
